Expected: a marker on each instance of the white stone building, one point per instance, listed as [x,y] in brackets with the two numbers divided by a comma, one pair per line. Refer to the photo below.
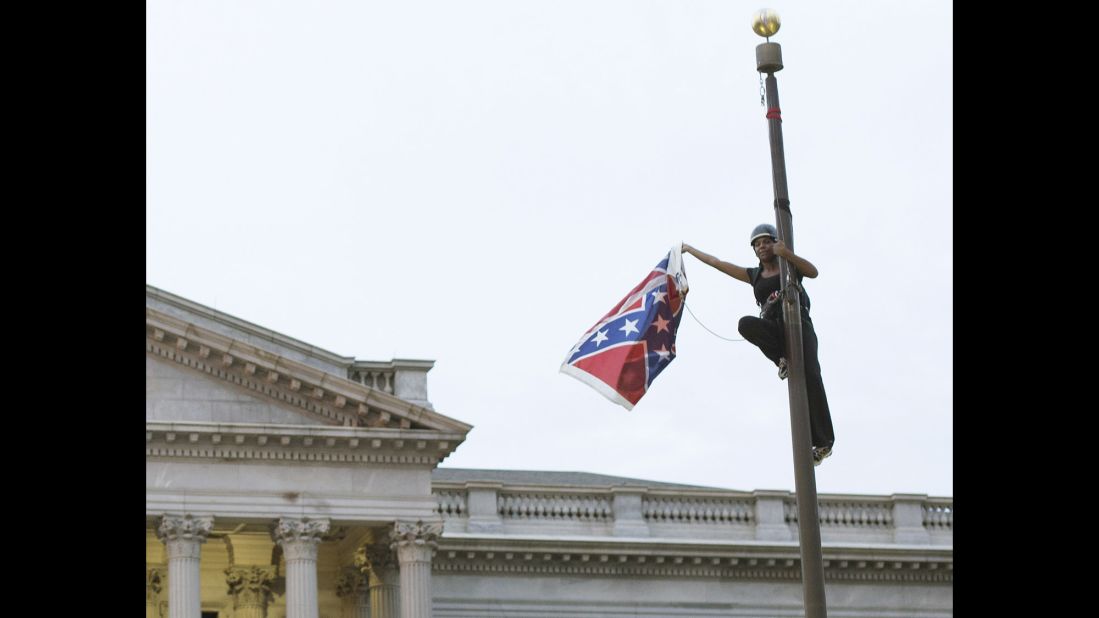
[285,480]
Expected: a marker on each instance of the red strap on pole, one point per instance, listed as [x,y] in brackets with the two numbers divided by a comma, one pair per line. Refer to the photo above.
[774,112]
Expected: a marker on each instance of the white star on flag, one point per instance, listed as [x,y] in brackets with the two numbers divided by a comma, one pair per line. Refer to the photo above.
[631,326]
[658,296]
[600,337]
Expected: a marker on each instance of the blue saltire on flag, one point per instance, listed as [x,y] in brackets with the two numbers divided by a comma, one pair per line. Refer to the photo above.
[627,348]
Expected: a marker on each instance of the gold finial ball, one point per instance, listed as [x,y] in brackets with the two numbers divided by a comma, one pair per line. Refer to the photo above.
[766,23]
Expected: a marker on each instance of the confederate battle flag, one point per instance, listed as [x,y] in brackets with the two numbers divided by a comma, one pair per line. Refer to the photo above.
[624,352]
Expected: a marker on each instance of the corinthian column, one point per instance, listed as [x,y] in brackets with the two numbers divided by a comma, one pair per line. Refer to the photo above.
[298,539]
[415,545]
[250,587]
[380,565]
[155,579]
[183,537]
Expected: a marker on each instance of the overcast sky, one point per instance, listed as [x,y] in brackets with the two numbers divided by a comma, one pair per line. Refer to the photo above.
[477,182]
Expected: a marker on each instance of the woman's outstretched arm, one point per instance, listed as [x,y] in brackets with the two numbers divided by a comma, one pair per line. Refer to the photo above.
[734,271]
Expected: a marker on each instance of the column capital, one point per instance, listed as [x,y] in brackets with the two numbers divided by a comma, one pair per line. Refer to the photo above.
[418,533]
[250,586]
[184,528]
[183,535]
[299,537]
[415,542]
[304,530]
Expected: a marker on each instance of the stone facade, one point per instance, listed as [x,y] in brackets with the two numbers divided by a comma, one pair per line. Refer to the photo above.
[287,481]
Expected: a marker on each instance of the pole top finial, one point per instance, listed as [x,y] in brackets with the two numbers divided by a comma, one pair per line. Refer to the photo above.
[766,23]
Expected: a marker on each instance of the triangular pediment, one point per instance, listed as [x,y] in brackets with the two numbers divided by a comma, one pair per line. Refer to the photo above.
[177,393]
[209,376]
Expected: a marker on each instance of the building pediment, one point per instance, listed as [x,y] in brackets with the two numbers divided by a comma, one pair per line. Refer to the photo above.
[319,397]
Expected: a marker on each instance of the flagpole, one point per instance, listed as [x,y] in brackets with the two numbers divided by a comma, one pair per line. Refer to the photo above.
[769,61]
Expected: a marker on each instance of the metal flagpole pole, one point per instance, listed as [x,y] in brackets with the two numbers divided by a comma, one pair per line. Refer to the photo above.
[769,61]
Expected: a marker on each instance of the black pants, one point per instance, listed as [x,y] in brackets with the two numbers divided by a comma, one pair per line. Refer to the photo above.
[770,337]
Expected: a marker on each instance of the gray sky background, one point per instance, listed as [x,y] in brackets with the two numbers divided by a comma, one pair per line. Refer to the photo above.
[477,182]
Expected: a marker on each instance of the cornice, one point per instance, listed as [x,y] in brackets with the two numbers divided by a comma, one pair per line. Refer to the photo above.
[248,441]
[669,558]
[245,326]
[317,394]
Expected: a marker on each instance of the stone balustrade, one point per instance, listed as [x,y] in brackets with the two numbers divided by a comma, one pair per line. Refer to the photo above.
[691,510]
[378,379]
[404,378]
[451,503]
[864,512]
[938,514]
[689,513]
[554,506]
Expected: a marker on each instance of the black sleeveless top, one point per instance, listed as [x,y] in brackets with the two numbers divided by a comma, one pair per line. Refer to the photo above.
[763,287]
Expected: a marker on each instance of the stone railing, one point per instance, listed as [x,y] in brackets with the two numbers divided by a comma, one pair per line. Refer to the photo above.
[692,510]
[404,378]
[938,514]
[451,503]
[378,379]
[492,507]
[554,506]
[874,513]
